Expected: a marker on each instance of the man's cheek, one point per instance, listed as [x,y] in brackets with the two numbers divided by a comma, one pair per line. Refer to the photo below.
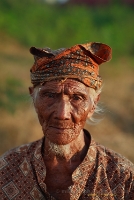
[81,116]
[41,118]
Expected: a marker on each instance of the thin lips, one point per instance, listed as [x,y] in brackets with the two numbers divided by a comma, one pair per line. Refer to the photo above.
[61,124]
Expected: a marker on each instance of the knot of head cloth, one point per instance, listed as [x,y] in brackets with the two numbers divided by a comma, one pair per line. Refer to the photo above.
[79,62]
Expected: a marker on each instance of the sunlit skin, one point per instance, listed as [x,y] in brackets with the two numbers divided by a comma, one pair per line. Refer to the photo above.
[62,108]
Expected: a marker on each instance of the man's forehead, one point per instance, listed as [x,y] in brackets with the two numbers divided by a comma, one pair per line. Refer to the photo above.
[68,84]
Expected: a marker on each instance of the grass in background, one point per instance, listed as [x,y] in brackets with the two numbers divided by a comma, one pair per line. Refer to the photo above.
[35,23]
[12,94]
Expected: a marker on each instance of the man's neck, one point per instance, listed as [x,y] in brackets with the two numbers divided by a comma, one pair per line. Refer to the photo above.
[75,151]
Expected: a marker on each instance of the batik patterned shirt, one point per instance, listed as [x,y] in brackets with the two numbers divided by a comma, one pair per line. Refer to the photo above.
[102,175]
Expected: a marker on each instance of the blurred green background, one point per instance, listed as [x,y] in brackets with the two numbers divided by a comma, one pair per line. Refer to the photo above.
[48,23]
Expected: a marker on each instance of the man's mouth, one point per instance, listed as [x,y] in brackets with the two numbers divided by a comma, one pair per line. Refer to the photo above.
[59,127]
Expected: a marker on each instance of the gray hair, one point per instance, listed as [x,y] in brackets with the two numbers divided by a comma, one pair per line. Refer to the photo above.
[98,112]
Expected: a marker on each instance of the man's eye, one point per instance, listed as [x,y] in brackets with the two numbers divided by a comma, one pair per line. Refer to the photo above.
[49,95]
[77,97]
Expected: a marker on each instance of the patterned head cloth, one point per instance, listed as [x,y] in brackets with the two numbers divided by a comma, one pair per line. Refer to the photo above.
[79,62]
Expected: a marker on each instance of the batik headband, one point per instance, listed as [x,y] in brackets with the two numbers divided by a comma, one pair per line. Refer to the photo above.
[79,62]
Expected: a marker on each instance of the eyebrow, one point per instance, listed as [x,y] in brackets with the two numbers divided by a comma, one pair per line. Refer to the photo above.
[49,90]
[77,91]
[68,91]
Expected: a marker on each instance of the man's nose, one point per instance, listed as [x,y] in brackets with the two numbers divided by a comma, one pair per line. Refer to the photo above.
[63,110]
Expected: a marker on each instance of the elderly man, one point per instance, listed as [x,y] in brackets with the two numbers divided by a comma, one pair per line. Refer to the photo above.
[66,163]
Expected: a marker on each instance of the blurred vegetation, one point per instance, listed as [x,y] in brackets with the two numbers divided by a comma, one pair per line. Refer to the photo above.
[34,23]
[12,94]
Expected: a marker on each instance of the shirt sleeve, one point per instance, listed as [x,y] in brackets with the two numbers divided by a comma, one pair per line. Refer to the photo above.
[129,187]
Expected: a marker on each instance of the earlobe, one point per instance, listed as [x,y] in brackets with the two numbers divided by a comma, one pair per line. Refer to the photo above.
[93,106]
[91,112]
[31,91]
[97,99]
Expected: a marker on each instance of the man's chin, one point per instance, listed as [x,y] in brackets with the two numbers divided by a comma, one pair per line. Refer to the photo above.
[60,136]
[59,140]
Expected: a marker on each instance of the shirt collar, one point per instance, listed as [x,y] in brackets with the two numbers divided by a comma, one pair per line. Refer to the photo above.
[79,176]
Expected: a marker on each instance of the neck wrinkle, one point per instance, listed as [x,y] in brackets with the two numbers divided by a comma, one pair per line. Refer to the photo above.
[72,152]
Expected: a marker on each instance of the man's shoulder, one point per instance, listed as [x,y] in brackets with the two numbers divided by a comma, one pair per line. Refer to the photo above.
[113,160]
[18,171]
[19,153]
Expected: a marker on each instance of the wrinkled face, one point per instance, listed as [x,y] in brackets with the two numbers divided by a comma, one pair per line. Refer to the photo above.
[62,109]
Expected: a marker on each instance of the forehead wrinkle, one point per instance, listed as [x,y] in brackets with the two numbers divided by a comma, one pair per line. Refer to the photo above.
[76,87]
[74,90]
[67,87]
[52,86]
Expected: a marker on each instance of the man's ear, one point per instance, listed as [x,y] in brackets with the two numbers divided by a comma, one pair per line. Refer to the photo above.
[94,106]
[97,99]
[31,89]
